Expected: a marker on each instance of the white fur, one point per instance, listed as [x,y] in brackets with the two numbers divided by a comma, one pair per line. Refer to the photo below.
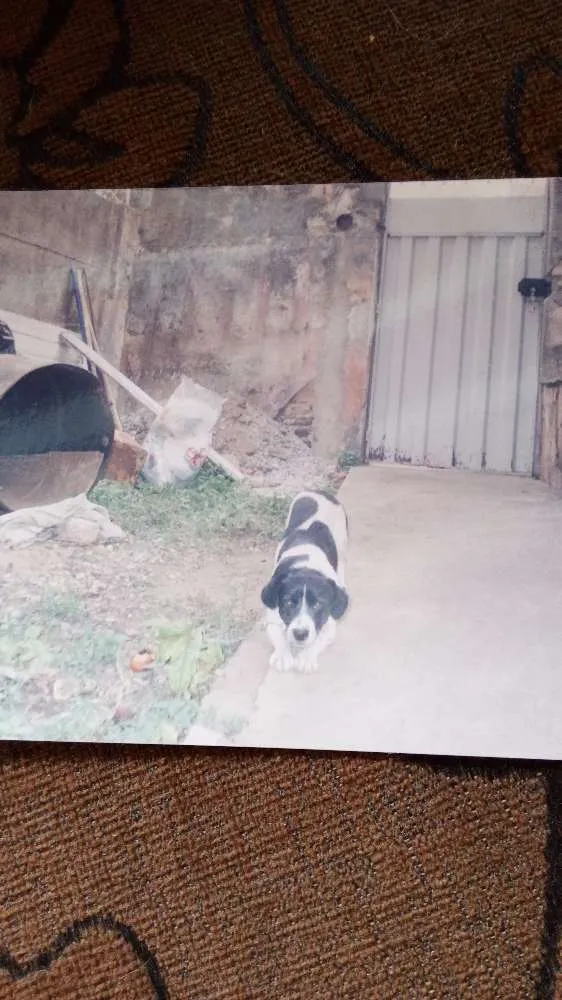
[333,516]
[285,657]
[286,654]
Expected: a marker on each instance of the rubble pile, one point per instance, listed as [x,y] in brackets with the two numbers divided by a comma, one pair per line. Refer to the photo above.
[270,455]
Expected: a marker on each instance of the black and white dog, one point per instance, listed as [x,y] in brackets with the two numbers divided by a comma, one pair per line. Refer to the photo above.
[306,594]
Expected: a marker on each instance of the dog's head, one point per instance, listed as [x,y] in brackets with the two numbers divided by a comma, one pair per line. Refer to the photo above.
[305,600]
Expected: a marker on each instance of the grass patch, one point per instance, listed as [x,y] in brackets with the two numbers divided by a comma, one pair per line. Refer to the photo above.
[207,506]
[54,653]
[56,631]
[50,655]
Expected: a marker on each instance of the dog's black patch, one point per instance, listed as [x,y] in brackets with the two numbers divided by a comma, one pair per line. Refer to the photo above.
[332,499]
[319,535]
[324,599]
[285,591]
[303,509]
[270,592]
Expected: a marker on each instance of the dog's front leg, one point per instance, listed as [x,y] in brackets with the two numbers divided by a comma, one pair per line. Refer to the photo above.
[307,661]
[281,658]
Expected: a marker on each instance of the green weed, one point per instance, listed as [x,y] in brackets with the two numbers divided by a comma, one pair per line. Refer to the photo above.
[207,506]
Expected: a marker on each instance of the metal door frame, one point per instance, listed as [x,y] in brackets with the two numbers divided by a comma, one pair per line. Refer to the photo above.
[379,285]
[547,267]
[379,288]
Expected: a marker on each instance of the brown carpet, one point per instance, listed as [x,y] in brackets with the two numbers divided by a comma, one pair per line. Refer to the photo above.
[208,875]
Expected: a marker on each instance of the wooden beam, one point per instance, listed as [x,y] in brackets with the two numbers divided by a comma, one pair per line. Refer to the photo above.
[142,397]
[86,319]
[100,362]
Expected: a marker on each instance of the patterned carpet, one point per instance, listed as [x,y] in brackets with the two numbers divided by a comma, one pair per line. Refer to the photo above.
[148,873]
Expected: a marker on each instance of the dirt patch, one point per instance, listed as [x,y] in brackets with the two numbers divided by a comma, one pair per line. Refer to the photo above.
[270,455]
[73,617]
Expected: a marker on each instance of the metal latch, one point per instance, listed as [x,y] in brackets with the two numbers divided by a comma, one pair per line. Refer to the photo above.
[535,288]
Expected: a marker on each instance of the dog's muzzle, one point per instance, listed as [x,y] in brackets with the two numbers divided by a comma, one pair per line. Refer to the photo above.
[301,635]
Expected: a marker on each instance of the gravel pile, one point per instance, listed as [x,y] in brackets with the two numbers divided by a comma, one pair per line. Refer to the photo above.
[271,456]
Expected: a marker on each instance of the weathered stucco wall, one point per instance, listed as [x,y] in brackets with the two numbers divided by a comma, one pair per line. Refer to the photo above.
[550,466]
[44,233]
[264,291]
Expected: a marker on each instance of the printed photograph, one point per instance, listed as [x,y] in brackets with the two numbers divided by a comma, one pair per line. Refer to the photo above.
[282,467]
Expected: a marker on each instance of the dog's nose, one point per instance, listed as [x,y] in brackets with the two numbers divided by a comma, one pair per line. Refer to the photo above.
[301,634]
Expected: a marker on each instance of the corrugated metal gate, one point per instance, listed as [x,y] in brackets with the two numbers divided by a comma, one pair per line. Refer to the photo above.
[456,357]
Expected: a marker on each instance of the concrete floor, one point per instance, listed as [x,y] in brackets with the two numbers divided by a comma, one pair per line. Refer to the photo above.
[453,641]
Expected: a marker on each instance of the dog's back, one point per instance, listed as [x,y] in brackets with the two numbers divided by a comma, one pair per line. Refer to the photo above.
[318,519]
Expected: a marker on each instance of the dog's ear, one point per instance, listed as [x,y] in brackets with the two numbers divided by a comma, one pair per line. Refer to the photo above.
[340,602]
[270,593]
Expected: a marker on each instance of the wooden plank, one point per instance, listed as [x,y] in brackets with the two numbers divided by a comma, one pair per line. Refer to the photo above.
[82,294]
[34,327]
[36,350]
[440,430]
[84,331]
[142,397]
[38,340]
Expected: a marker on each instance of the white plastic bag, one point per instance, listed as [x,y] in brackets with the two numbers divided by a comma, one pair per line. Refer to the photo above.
[177,444]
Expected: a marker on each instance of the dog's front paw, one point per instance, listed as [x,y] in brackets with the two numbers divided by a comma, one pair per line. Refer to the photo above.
[306,664]
[281,661]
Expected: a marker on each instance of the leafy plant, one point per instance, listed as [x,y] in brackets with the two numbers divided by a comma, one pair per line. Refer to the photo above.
[190,656]
[348,460]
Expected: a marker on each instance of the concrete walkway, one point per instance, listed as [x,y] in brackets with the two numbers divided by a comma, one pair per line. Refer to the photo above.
[453,642]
